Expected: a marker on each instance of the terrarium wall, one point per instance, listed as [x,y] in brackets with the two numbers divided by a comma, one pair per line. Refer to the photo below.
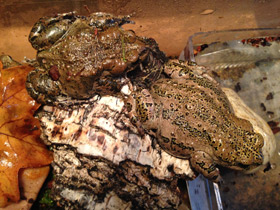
[168,22]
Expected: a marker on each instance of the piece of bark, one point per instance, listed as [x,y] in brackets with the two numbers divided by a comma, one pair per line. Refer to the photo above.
[98,153]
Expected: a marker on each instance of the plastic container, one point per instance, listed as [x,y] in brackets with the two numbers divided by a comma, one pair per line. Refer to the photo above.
[202,38]
[246,60]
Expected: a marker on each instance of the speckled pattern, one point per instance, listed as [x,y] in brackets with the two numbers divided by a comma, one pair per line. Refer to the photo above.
[192,118]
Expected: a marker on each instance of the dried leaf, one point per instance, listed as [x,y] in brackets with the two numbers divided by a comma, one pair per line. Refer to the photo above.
[20,144]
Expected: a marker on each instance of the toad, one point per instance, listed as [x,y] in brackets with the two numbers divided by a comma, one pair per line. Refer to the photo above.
[78,56]
[191,118]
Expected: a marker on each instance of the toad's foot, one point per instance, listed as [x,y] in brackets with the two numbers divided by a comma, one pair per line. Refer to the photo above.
[203,163]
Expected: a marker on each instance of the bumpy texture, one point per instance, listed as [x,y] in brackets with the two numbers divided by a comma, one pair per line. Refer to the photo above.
[78,187]
[98,153]
[77,55]
[192,118]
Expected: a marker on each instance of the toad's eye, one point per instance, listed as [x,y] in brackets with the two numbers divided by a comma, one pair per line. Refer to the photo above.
[46,37]
[47,30]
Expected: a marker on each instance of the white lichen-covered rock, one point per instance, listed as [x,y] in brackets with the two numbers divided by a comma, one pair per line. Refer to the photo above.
[102,130]
[98,152]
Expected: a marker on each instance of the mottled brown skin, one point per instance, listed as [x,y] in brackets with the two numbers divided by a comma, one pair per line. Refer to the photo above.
[86,54]
[192,118]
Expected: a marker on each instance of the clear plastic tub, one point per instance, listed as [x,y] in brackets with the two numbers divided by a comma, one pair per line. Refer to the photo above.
[202,38]
[246,60]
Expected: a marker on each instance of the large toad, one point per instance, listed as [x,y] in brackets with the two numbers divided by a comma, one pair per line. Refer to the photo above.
[78,56]
[191,118]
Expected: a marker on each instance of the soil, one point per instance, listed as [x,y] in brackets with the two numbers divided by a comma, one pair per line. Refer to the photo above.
[170,23]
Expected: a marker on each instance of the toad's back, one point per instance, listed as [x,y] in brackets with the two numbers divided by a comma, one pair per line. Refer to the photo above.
[195,115]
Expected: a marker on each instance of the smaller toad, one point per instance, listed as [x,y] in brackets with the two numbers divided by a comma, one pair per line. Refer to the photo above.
[192,118]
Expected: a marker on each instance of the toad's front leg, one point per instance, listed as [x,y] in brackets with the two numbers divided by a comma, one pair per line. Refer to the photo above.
[140,108]
[42,87]
[204,164]
[131,111]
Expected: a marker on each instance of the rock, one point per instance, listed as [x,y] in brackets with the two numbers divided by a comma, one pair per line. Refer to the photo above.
[98,155]
[207,12]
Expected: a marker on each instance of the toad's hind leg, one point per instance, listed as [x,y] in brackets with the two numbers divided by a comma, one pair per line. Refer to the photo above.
[203,163]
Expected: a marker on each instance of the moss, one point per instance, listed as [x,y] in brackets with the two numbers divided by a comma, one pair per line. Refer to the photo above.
[46,199]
